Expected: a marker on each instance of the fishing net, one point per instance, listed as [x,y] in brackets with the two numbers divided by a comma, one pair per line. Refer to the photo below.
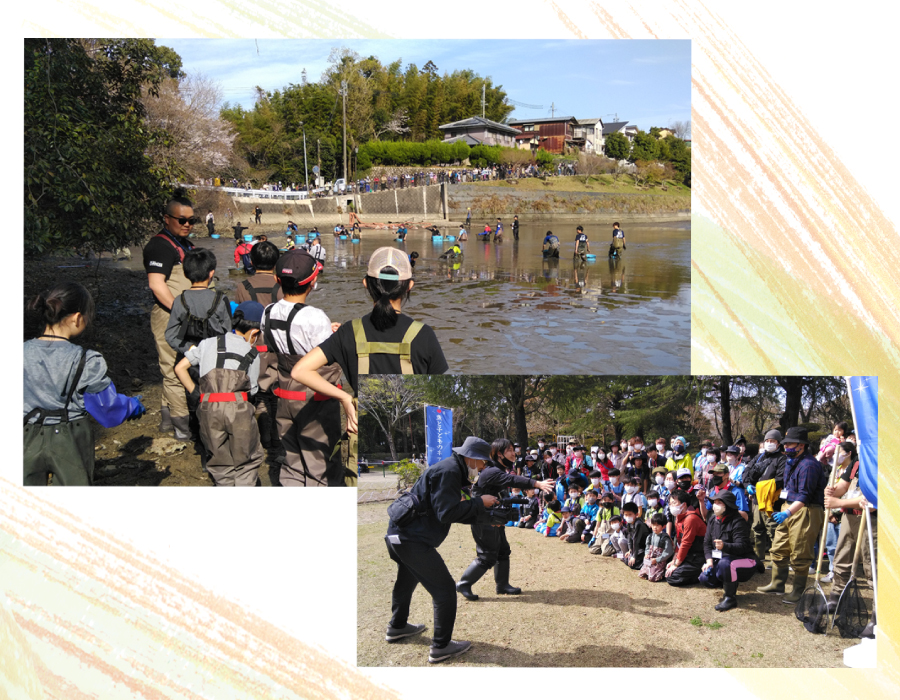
[852,614]
[812,610]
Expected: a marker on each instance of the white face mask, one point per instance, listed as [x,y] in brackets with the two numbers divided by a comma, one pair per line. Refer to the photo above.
[631,489]
[713,461]
[670,484]
[703,450]
[659,479]
[614,480]
[718,508]
[771,446]
[629,519]
[473,474]
[595,482]
[614,526]
[730,459]
[602,456]
[653,502]
[623,446]
[638,447]
[661,449]
[676,508]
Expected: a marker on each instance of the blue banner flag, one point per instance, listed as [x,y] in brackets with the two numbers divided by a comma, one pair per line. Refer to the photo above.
[864,401]
[438,433]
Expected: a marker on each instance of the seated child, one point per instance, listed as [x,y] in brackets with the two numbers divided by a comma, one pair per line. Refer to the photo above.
[654,506]
[637,531]
[568,529]
[633,494]
[615,486]
[588,515]
[615,531]
[599,543]
[596,483]
[551,518]
[531,512]
[575,498]
[658,550]
[515,492]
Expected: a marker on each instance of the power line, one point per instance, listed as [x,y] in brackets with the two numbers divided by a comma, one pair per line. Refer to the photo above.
[522,104]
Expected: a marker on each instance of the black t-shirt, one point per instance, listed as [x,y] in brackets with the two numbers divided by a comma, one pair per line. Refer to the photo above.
[161,253]
[426,354]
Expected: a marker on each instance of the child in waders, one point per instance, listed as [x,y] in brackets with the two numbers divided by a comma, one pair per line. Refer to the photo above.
[229,373]
[264,288]
[384,341]
[242,256]
[582,245]
[618,241]
[309,423]
[63,384]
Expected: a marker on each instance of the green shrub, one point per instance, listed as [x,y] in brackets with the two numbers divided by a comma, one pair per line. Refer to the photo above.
[408,473]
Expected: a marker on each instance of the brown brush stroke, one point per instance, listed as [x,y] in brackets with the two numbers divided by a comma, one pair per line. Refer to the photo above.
[567,22]
[606,19]
[222,631]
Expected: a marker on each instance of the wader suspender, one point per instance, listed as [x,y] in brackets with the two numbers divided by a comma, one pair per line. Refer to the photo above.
[182,332]
[252,291]
[61,413]
[244,362]
[281,326]
[364,348]
[172,243]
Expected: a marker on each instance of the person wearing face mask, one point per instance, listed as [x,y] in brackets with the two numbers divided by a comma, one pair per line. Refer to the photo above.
[847,496]
[616,487]
[681,459]
[800,518]
[704,467]
[658,483]
[616,456]
[520,460]
[491,546]
[764,480]
[662,450]
[728,550]
[443,492]
[720,482]
[736,467]
[654,506]
[699,459]
[636,532]
[603,465]
[633,495]
[596,483]
[578,461]
[599,542]
[685,567]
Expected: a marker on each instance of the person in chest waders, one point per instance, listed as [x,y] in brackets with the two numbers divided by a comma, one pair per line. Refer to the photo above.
[309,421]
[163,258]
[229,375]
[63,384]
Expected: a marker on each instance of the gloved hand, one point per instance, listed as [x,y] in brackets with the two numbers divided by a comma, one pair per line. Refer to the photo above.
[193,399]
[781,517]
[136,408]
[751,489]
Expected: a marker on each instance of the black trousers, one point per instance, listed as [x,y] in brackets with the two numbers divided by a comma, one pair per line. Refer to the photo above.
[419,563]
[490,544]
[689,571]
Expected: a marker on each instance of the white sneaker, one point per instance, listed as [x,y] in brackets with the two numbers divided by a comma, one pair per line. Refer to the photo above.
[828,578]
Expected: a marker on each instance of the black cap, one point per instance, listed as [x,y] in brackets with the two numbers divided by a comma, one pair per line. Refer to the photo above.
[796,434]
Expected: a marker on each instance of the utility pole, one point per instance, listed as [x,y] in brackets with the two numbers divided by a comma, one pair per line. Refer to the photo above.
[482,100]
[344,93]
[305,169]
[552,110]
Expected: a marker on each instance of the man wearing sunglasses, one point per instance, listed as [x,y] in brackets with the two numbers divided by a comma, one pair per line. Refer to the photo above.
[163,256]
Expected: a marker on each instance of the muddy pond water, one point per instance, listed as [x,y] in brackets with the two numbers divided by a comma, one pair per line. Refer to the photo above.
[504,309]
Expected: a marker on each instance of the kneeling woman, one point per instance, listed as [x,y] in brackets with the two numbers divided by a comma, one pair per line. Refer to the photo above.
[729,550]
[382,342]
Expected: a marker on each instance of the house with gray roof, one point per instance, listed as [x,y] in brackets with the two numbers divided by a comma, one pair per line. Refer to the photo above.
[477,131]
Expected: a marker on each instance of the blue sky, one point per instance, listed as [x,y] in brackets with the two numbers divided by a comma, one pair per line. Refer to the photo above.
[647,83]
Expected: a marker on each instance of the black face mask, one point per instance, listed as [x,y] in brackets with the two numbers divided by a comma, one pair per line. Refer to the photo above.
[717,480]
[505,462]
[684,485]
[607,505]
[679,449]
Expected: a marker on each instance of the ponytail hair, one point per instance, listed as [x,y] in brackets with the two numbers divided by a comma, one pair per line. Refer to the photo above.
[382,293]
[63,300]
[241,324]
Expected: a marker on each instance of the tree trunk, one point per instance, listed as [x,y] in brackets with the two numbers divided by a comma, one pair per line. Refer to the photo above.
[793,389]
[725,407]
[518,404]
[390,437]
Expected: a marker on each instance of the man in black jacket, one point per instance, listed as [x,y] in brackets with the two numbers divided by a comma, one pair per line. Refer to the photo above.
[769,464]
[443,492]
[490,541]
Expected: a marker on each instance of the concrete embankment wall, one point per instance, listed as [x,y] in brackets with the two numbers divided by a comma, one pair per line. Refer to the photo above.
[488,201]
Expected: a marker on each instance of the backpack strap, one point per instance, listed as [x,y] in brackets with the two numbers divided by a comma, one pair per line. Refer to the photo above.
[253,291]
[364,348]
[276,325]
[214,306]
[61,413]
[223,354]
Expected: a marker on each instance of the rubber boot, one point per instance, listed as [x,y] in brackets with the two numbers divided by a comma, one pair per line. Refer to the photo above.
[265,430]
[501,578]
[779,578]
[729,600]
[182,425]
[470,577]
[165,423]
[799,585]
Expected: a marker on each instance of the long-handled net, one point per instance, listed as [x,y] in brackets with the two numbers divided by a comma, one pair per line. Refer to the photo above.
[852,614]
[812,608]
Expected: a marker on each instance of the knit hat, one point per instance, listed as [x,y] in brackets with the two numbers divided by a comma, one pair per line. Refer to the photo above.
[774,435]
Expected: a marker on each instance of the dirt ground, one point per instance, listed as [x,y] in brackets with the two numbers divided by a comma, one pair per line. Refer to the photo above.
[134,453]
[597,613]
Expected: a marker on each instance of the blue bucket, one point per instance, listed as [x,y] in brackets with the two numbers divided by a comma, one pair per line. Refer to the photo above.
[399,239]
[248,238]
[214,235]
[299,238]
[437,238]
[590,256]
[451,238]
[343,238]
[354,240]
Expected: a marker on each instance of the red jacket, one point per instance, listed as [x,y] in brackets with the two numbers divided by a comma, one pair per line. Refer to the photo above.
[242,249]
[689,533]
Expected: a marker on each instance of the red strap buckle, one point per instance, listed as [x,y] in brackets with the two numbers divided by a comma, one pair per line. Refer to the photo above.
[223,398]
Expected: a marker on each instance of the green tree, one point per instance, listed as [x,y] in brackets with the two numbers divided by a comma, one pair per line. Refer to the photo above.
[89,183]
[387,399]
[644,147]
[617,147]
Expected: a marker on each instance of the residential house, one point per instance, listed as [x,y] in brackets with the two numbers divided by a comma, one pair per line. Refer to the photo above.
[555,134]
[477,131]
[628,132]
[589,135]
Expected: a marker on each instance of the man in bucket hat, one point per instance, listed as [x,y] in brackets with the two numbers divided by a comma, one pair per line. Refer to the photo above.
[764,480]
[443,495]
[800,518]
